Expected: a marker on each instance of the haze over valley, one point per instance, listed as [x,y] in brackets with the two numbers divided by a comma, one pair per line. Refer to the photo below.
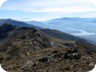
[82,27]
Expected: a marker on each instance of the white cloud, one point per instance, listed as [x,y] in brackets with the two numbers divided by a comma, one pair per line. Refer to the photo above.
[61,9]
[93,1]
[51,5]
[2,1]
[81,32]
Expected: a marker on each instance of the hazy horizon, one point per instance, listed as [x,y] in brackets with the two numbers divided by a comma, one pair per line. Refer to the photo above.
[41,10]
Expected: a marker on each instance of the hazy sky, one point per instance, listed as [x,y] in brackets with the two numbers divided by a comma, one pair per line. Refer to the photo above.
[46,9]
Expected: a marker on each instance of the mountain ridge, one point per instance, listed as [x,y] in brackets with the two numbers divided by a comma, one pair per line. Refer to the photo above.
[17,23]
[28,49]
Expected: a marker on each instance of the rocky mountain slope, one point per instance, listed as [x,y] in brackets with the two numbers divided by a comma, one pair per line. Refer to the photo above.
[26,49]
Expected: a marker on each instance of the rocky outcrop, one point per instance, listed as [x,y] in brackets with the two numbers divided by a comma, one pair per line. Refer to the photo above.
[72,54]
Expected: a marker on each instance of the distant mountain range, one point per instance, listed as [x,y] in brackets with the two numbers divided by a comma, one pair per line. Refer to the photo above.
[82,27]
[68,24]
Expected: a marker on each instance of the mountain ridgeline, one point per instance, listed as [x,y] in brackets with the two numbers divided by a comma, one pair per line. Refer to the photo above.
[81,27]
[28,49]
[17,23]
